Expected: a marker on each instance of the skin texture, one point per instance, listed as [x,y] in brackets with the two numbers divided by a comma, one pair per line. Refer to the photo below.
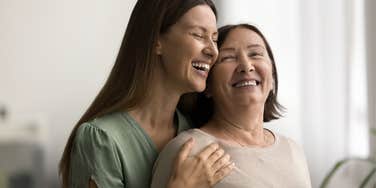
[243,56]
[191,39]
[238,116]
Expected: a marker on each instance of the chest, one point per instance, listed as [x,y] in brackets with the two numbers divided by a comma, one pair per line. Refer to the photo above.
[137,156]
[267,170]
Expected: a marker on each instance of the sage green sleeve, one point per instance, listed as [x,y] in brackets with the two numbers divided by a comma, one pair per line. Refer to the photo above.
[95,156]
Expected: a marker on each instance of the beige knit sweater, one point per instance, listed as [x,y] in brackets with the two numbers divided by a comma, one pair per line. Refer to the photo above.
[281,165]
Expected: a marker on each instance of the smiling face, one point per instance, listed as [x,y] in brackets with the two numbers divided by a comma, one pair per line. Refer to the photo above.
[243,72]
[188,50]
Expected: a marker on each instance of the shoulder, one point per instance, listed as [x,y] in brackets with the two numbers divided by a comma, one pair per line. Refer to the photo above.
[201,140]
[90,138]
[292,143]
[114,126]
[299,162]
[295,148]
[95,155]
[104,132]
[110,122]
[163,164]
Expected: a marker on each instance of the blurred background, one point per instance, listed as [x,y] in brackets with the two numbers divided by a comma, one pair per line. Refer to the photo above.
[55,56]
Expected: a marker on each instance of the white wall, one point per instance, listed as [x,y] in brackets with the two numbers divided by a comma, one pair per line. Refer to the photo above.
[325,83]
[54,57]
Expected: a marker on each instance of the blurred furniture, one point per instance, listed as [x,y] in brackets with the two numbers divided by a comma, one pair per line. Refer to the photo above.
[22,155]
[352,173]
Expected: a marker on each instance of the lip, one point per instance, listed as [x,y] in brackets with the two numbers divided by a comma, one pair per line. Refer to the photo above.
[202,73]
[202,61]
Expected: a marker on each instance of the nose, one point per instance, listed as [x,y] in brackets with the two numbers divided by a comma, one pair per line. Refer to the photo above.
[211,50]
[245,64]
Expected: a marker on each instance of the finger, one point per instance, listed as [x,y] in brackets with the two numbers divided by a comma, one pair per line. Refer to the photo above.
[221,163]
[219,153]
[184,151]
[207,151]
[223,172]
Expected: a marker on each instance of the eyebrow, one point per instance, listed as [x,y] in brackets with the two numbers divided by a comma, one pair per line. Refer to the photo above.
[255,46]
[201,28]
[249,46]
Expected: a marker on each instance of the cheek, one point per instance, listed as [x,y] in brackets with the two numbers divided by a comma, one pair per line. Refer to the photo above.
[180,49]
[267,72]
[227,69]
[222,73]
[190,47]
[220,77]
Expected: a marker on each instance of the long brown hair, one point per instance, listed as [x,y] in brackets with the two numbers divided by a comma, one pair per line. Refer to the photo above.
[200,108]
[126,86]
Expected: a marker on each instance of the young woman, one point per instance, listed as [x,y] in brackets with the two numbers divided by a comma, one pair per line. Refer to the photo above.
[168,48]
[241,95]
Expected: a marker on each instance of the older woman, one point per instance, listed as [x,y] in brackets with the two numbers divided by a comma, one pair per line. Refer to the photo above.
[240,96]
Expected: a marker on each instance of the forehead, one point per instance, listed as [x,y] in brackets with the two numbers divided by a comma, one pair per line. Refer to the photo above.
[242,37]
[200,16]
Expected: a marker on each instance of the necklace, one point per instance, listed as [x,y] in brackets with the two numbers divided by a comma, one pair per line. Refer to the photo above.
[228,133]
[233,137]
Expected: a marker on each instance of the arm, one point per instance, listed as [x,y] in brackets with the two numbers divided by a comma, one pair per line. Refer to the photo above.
[95,160]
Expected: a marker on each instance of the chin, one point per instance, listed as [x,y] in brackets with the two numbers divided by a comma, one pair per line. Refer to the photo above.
[198,87]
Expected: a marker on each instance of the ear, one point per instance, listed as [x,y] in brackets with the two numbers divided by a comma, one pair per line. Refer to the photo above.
[158,47]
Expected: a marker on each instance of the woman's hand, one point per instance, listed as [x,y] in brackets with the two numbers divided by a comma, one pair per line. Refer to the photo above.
[200,171]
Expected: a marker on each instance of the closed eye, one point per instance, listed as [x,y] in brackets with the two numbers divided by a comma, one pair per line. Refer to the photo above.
[227,58]
[255,54]
[197,35]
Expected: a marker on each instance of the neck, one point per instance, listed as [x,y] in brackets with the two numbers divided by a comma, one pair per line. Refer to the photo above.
[249,118]
[242,126]
[159,108]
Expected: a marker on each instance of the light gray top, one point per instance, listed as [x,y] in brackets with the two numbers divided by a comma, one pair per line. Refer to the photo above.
[281,165]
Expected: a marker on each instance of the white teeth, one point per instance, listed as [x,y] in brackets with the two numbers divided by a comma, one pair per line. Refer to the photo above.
[201,66]
[246,83]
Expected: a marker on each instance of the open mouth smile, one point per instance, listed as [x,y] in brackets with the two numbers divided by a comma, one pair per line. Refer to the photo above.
[246,83]
[201,66]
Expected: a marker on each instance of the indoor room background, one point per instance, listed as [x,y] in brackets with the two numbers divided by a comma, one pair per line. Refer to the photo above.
[55,56]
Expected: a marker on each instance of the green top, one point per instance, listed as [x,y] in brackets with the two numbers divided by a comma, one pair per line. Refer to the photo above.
[115,152]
